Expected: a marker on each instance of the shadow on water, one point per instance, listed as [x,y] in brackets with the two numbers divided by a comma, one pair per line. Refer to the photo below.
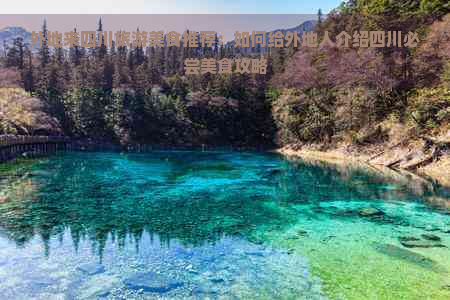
[409,256]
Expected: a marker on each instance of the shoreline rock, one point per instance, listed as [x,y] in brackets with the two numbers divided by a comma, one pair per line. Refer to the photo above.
[437,170]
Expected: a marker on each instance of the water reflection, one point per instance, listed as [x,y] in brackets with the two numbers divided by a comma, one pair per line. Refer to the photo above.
[362,181]
[96,196]
[205,224]
[195,198]
[141,269]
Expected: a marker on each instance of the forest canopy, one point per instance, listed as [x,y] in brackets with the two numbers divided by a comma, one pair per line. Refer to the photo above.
[141,95]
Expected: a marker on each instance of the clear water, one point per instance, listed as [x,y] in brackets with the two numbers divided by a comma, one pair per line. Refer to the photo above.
[211,225]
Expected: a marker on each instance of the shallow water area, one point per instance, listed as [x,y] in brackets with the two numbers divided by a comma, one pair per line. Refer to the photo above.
[226,225]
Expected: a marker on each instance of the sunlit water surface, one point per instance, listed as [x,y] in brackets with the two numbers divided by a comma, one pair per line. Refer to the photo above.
[216,225]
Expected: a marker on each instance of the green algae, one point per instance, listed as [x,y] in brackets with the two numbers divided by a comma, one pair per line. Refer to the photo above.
[357,261]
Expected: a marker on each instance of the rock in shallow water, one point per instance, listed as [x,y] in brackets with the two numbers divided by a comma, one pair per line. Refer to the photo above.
[151,282]
[98,287]
[408,239]
[431,237]
[255,253]
[38,282]
[91,268]
[421,244]
[370,211]
[431,228]
[217,280]
[205,292]
[302,233]
[271,173]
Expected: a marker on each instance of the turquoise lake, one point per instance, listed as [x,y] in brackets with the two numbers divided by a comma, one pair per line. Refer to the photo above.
[218,225]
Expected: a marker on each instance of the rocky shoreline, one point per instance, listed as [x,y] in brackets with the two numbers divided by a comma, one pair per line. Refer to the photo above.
[410,158]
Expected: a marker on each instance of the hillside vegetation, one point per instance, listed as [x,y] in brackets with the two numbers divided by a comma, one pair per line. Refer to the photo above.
[385,106]
[329,97]
[23,115]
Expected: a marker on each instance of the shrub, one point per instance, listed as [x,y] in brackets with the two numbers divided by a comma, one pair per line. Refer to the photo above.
[22,114]
[430,107]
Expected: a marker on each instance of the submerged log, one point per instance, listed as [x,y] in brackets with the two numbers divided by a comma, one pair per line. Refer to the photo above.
[383,151]
[435,146]
[393,163]
[423,162]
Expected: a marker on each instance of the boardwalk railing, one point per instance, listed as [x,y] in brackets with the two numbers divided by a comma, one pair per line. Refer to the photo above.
[12,146]
[9,139]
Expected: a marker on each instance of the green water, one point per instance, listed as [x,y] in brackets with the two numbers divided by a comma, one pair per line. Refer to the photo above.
[218,225]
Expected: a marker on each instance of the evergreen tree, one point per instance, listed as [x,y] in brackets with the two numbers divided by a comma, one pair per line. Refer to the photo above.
[76,53]
[27,71]
[44,52]
[15,54]
[319,17]
[101,50]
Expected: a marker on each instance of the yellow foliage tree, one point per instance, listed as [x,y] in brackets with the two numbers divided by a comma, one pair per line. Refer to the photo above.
[22,114]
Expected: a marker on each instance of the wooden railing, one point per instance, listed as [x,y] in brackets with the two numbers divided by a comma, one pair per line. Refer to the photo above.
[10,140]
[12,146]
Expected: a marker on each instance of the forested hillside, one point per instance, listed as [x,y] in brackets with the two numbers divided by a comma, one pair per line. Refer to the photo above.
[332,94]
[135,95]
[309,95]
